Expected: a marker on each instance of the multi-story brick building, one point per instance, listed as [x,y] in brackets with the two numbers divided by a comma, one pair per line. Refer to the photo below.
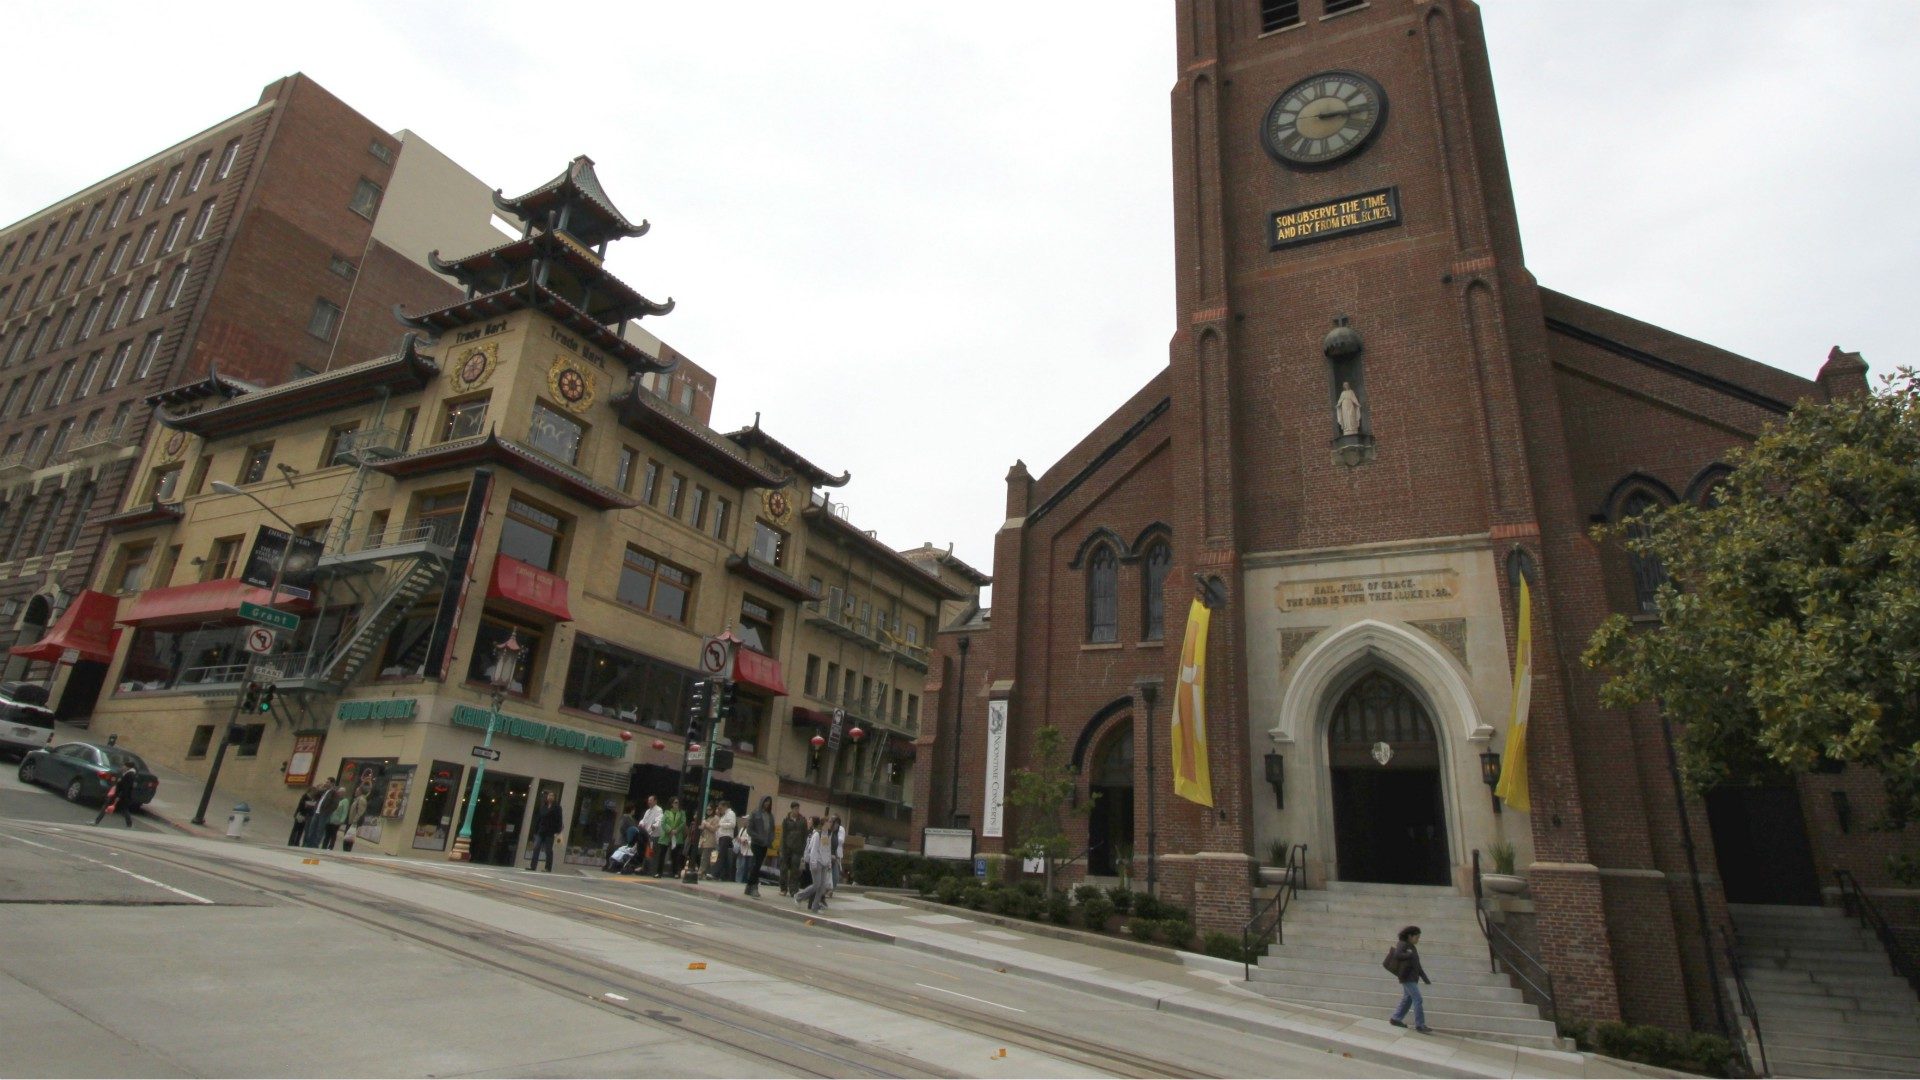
[539,471]
[262,248]
[1372,422]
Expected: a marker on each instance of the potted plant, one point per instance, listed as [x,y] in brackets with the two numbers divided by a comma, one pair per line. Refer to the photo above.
[1275,872]
[1503,879]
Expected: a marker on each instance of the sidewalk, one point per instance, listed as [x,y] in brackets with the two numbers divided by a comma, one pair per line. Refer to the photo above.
[179,795]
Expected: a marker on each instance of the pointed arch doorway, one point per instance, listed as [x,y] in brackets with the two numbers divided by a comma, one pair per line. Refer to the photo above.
[1389,816]
[1110,826]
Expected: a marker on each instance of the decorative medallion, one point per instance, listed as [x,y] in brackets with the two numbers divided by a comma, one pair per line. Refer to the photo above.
[175,443]
[1382,753]
[779,508]
[473,365]
[571,386]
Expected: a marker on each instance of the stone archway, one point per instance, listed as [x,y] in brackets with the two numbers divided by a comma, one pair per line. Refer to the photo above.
[1110,782]
[1384,776]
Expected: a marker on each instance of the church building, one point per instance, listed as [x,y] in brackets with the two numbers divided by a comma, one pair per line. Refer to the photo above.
[1373,426]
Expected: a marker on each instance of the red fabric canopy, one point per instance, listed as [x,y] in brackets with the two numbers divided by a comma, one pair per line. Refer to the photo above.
[530,588]
[202,601]
[86,627]
[758,670]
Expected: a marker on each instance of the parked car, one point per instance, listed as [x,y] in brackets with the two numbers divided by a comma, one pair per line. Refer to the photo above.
[25,721]
[84,771]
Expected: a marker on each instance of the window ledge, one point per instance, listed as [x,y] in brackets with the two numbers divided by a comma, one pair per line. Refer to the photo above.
[1101,646]
[1160,644]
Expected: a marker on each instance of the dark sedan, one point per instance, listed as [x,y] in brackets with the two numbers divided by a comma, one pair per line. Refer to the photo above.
[84,771]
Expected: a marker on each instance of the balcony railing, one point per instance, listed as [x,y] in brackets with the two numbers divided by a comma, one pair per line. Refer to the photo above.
[99,441]
[370,444]
[16,462]
[439,532]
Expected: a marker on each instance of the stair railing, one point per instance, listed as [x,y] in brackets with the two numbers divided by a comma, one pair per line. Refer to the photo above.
[1854,901]
[1744,1000]
[1503,950]
[1265,923]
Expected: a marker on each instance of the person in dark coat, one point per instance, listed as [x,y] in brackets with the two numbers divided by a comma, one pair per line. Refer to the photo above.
[120,796]
[324,801]
[547,824]
[1404,962]
[301,815]
[760,834]
[793,846]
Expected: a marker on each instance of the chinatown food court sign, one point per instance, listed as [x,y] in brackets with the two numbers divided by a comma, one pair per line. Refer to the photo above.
[535,731]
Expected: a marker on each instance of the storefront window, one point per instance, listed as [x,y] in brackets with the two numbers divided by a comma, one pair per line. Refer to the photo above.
[442,793]
[164,659]
[590,834]
[532,534]
[607,680]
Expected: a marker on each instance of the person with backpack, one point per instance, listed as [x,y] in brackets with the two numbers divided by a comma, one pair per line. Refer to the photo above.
[1403,960]
[120,796]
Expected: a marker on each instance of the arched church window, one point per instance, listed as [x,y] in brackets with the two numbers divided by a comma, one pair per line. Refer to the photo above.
[1103,595]
[1648,574]
[1153,592]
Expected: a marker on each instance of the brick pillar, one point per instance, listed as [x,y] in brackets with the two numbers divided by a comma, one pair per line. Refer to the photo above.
[1222,891]
[1572,917]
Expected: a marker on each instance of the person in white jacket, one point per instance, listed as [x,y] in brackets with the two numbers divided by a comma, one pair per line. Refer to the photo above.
[650,827]
[723,839]
[819,862]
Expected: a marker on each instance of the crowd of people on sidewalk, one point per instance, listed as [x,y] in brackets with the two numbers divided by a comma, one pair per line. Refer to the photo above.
[725,846]
[327,815]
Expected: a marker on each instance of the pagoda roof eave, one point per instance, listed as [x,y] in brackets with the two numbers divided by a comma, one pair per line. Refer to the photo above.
[480,271]
[153,513]
[402,372]
[491,448]
[538,298]
[577,179]
[640,410]
[756,437]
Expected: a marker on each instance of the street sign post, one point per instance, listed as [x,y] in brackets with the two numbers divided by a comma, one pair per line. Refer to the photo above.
[266,673]
[279,620]
[486,753]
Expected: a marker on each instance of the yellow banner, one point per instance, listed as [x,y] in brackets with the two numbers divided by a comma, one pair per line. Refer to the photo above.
[1192,779]
[1513,770]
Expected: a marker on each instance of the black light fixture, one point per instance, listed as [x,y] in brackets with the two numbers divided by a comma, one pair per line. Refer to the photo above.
[1490,774]
[1277,777]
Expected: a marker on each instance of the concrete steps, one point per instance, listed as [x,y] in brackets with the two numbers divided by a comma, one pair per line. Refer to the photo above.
[1828,1001]
[1335,939]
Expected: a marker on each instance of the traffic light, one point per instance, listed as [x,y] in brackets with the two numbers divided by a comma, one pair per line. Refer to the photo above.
[697,712]
[729,695]
[264,703]
[250,698]
[723,759]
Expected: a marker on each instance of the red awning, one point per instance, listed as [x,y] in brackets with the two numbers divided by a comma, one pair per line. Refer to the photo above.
[529,588]
[86,627]
[203,601]
[804,715]
[758,670]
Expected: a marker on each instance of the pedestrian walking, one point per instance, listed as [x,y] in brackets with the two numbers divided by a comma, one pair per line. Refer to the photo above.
[335,820]
[728,824]
[323,805]
[356,813]
[759,838]
[673,834]
[1404,961]
[547,823]
[301,813]
[120,796]
[818,858]
[837,847]
[793,847]
[650,835]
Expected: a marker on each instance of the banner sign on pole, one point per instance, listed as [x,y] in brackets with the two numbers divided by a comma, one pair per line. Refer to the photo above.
[995,817]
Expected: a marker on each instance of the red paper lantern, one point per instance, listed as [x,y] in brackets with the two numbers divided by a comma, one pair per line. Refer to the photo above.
[856,734]
[818,741]
[626,736]
[659,744]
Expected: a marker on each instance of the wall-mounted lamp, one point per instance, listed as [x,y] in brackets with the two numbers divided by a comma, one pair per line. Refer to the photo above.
[1843,810]
[1277,778]
[1490,774]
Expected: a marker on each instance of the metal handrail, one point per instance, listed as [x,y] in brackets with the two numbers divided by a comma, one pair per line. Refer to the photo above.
[1744,1000]
[1276,908]
[1503,949]
[1854,901]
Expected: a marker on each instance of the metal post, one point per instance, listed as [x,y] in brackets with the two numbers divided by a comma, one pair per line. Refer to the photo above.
[959,721]
[1693,873]
[692,872]
[246,680]
[1149,691]
[506,661]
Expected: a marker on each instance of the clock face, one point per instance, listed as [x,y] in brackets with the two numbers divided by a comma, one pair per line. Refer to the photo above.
[1323,118]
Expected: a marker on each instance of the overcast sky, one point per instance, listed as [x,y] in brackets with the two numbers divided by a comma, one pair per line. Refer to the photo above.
[924,240]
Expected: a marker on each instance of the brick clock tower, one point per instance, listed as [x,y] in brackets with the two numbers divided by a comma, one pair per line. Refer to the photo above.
[1351,384]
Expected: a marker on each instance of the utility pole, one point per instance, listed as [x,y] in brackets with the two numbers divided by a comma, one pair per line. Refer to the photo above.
[959,721]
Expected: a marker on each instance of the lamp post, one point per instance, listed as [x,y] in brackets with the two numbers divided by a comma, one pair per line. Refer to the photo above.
[506,663]
[959,719]
[1490,775]
[1149,691]
[246,676]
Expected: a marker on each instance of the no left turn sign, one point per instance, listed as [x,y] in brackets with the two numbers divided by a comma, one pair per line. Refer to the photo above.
[259,639]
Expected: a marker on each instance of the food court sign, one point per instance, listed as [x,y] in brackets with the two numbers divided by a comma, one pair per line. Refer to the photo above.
[535,731]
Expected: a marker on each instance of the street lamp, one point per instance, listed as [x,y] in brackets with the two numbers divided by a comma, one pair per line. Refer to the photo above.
[246,675]
[1490,775]
[959,718]
[1150,691]
[506,664]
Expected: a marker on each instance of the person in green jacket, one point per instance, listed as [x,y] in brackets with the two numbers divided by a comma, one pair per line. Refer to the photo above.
[673,833]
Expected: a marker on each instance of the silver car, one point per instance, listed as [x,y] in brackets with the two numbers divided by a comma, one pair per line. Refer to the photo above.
[24,724]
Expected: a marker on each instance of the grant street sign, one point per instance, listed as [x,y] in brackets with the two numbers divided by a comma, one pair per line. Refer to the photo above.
[280,620]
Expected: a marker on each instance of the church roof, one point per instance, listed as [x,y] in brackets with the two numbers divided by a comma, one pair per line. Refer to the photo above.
[592,218]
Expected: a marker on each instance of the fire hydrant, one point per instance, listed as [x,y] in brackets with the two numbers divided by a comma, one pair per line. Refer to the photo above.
[237,821]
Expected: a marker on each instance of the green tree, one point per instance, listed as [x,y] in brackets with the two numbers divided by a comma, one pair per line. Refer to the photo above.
[1789,634]
[1041,793]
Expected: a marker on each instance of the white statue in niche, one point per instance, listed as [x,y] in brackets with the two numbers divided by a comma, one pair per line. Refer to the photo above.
[1347,410]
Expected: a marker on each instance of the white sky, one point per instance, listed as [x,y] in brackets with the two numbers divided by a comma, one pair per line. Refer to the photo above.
[925,240]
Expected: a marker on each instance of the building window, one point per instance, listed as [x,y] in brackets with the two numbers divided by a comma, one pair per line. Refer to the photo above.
[1335,7]
[147,294]
[769,543]
[198,481]
[253,467]
[119,365]
[13,395]
[438,514]
[118,309]
[175,227]
[131,575]
[93,317]
[650,483]
[532,534]
[700,498]
[656,586]
[231,151]
[201,220]
[607,680]
[722,517]
[324,320]
[366,199]
[33,392]
[224,560]
[67,275]
[1278,15]
[247,742]
[1153,600]
[465,419]
[813,674]
[331,451]
[200,166]
[93,264]
[381,151]
[676,495]
[1648,574]
[119,259]
[166,481]
[46,238]
[202,739]
[623,470]
[493,631]
[119,207]
[61,382]
[82,508]
[66,326]
[176,285]
[149,349]
[1103,599]
[93,219]
[555,434]
[172,186]
[60,436]
[756,625]
[146,244]
[340,267]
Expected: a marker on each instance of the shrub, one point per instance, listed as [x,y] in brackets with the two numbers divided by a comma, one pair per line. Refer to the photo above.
[974,896]
[998,900]
[1022,904]
[1175,912]
[1175,932]
[1084,893]
[1122,898]
[1143,928]
[1223,945]
[1059,908]
[893,869]
[1145,906]
[1032,888]
[948,889]
[1094,913]
[1699,1052]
